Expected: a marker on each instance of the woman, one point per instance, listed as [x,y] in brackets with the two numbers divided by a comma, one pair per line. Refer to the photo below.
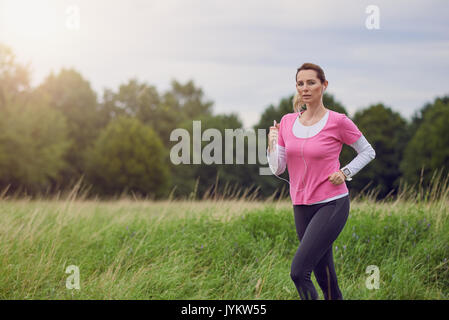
[308,142]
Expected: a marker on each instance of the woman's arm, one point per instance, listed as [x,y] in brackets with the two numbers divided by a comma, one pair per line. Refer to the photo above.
[365,153]
[277,160]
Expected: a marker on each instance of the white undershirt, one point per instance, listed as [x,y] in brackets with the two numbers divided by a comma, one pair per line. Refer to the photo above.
[365,152]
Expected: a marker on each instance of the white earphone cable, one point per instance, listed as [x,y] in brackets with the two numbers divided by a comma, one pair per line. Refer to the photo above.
[302,154]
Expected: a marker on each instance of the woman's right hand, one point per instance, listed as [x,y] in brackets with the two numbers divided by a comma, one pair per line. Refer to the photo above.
[273,136]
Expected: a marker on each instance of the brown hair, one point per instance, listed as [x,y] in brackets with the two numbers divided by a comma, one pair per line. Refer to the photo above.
[297,102]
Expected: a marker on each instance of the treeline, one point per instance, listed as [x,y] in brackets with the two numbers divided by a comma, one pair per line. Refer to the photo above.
[61,132]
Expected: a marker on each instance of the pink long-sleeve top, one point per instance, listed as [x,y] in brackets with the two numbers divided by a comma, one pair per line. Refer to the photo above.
[310,161]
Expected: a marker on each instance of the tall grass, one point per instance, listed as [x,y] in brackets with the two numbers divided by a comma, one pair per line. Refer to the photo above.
[223,246]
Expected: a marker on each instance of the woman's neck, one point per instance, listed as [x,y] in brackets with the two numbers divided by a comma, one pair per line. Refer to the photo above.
[314,110]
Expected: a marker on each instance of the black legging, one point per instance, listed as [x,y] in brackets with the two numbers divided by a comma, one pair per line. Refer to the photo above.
[318,226]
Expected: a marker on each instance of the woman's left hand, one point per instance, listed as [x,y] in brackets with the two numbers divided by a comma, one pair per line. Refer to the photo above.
[337,178]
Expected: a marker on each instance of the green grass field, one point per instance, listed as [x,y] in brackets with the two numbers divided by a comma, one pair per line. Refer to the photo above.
[214,249]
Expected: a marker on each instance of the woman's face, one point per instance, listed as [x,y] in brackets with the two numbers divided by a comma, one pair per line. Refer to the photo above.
[309,87]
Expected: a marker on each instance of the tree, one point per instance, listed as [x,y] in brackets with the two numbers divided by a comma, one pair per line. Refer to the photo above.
[72,95]
[163,112]
[187,175]
[128,157]
[189,99]
[386,131]
[418,116]
[14,77]
[175,108]
[32,135]
[428,148]
[33,141]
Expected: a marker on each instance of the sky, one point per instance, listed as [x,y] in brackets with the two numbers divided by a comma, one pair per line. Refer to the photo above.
[242,54]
